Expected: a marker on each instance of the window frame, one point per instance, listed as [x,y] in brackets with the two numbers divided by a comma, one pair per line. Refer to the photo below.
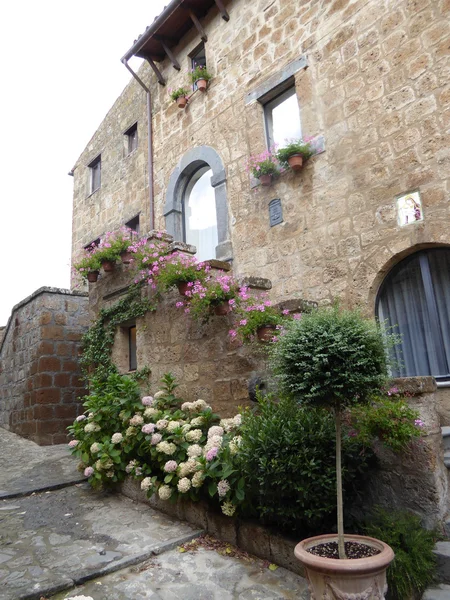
[134,220]
[95,166]
[273,102]
[132,139]
[132,348]
[193,55]
[431,303]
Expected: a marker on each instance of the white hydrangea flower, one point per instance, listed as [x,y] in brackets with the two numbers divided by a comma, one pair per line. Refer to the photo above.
[95,448]
[198,422]
[187,406]
[227,424]
[184,485]
[162,424]
[213,442]
[200,405]
[194,435]
[198,479]
[131,465]
[116,438]
[91,428]
[194,451]
[237,420]
[228,509]
[156,438]
[173,425]
[186,428]
[234,444]
[131,431]
[223,487]
[166,448]
[136,420]
[160,394]
[164,492]
[146,484]
[150,412]
[215,430]
[98,465]
[110,474]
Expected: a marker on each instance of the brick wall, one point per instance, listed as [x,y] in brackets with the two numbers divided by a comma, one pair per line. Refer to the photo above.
[40,382]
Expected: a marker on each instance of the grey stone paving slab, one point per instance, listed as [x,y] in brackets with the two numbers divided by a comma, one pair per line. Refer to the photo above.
[27,467]
[53,540]
[440,592]
[201,575]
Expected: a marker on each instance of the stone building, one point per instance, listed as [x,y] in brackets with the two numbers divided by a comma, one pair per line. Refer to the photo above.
[365,220]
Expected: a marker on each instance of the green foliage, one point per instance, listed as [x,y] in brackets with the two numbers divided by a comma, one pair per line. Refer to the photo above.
[414,565]
[287,457]
[179,268]
[90,263]
[331,357]
[97,343]
[251,318]
[301,147]
[391,421]
[178,93]
[109,403]
[212,292]
[199,72]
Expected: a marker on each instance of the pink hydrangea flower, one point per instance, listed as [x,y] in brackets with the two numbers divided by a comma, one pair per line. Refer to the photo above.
[148,428]
[170,466]
[212,453]
[73,443]
[88,471]
[81,418]
[147,401]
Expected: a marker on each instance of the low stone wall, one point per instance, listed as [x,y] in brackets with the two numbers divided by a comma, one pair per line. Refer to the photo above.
[249,536]
[40,378]
[443,408]
[415,481]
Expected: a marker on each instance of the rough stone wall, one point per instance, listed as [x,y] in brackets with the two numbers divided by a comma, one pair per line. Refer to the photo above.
[205,362]
[40,382]
[415,481]
[376,87]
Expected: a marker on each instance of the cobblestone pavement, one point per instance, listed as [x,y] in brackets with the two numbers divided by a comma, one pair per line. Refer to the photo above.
[27,467]
[51,541]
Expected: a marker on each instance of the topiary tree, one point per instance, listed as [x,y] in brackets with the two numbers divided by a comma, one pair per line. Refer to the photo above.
[333,358]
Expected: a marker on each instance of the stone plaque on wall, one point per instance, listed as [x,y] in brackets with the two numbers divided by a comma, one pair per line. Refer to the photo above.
[275,212]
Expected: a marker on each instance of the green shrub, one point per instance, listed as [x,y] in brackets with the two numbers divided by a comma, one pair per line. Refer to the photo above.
[287,457]
[414,565]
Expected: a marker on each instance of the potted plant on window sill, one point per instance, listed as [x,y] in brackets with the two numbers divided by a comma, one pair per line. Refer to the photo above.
[181,271]
[88,267]
[264,167]
[218,295]
[336,359]
[295,154]
[257,319]
[200,77]
[180,96]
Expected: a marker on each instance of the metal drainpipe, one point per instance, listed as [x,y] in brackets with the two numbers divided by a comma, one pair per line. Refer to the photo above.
[150,143]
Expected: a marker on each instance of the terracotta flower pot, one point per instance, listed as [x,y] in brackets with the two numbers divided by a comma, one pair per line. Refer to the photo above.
[183,287]
[201,84]
[126,257]
[265,333]
[222,309]
[108,265]
[181,101]
[363,578]
[265,179]
[92,276]
[296,162]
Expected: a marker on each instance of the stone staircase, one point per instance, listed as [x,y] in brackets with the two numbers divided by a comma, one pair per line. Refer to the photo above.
[442,549]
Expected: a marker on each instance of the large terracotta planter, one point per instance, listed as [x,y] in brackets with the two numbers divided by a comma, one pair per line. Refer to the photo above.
[266,333]
[108,265]
[181,101]
[265,179]
[348,579]
[201,84]
[92,276]
[296,162]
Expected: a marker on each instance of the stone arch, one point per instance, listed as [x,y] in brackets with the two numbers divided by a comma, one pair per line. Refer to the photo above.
[390,264]
[193,160]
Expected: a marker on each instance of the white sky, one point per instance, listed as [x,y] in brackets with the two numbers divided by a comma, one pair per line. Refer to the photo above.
[61,72]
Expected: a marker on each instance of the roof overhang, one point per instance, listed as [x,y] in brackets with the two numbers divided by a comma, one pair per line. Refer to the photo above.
[170,26]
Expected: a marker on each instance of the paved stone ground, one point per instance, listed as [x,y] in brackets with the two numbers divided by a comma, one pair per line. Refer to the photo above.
[27,467]
[69,535]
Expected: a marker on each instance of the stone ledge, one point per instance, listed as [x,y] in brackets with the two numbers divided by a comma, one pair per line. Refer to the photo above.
[257,283]
[182,247]
[415,385]
[247,535]
[296,305]
[221,265]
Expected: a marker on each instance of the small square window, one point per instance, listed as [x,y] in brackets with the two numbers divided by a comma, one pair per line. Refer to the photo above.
[198,59]
[131,139]
[95,174]
[92,244]
[132,346]
[282,116]
[133,224]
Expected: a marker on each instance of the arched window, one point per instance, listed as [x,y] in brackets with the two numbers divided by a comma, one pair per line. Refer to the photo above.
[414,299]
[199,214]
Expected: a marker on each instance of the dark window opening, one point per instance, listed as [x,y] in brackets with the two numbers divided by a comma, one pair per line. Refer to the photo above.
[95,174]
[132,347]
[92,244]
[131,138]
[133,224]
[414,301]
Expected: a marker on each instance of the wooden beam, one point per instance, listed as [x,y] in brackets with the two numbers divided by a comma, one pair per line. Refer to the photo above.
[173,60]
[157,72]
[223,12]
[198,25]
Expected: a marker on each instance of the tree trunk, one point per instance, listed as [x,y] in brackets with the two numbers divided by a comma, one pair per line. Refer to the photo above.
[340,508]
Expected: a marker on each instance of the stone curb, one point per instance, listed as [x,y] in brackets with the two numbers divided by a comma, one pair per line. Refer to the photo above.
[114,566]
[45,488]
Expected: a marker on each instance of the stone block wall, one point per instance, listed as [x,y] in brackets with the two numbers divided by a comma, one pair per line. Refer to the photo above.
[40,378]
[376,86]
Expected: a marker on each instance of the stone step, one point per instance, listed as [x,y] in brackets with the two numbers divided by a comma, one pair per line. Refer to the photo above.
[439,592]
[446,437]
[442,551]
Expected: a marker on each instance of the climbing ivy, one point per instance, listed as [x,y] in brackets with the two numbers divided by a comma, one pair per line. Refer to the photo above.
[98,342]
